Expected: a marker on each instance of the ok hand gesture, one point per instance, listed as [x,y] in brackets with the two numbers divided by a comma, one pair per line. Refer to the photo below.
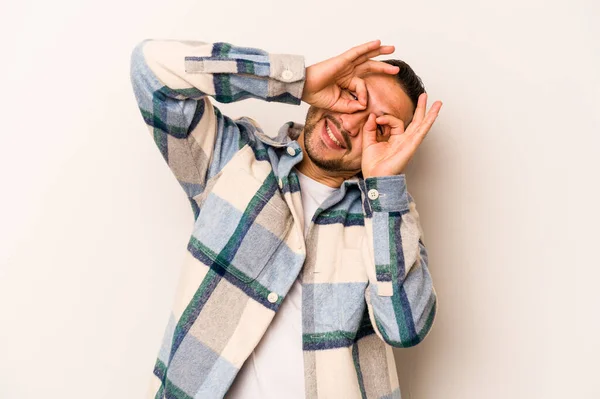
[326,81]
[391,157]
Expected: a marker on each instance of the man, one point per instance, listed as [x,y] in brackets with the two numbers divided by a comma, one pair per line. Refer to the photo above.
[306,261]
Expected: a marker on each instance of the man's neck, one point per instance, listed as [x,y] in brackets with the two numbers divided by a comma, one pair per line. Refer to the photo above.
[309,169]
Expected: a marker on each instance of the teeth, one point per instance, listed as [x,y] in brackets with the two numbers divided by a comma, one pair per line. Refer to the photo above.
[331,136]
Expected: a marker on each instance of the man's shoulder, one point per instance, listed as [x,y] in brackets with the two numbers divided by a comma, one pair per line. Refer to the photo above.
[287,133]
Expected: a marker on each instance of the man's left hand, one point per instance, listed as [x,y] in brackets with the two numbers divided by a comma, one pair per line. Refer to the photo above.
[390,157]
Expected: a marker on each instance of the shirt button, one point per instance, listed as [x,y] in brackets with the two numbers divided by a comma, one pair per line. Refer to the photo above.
[291,151]
[373,194]
[287,74]
[272,297]
[280,183]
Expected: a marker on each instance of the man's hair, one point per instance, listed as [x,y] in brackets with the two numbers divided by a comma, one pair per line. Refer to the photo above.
[408,80]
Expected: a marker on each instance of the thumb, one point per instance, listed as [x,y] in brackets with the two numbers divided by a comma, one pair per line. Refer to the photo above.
[346,106]
[370,132]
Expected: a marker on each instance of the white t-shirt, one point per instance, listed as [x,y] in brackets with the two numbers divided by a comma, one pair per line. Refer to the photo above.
[275,369]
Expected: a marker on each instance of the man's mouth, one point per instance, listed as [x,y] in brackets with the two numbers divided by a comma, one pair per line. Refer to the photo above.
[334,134]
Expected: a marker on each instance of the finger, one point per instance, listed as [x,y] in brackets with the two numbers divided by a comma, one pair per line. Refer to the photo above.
[358,51]
[370,132]
[372,66]
[425,126]
[396,124]
[357,85]
[374,53]
[420,111]
[346,105]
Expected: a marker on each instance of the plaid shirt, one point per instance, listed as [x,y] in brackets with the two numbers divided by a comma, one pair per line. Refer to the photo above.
[365,281]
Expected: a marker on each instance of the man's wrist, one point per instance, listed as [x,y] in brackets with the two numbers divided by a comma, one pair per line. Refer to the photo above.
[287,75]
[287,68]
[387,193]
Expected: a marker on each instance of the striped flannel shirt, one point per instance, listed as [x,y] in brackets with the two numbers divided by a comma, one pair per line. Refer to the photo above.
[365,282]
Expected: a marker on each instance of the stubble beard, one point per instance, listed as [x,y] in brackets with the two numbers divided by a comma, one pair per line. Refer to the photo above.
[330,165]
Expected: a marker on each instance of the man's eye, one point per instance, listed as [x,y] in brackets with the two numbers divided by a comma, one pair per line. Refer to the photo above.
[380,130]
[353,95]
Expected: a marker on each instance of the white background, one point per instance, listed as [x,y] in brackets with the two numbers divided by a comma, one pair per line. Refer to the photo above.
[93,226]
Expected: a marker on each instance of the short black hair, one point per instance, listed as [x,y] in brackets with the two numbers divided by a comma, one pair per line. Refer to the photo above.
[408,80]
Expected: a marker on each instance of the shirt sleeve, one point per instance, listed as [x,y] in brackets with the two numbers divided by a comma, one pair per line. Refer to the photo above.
[400,296]
[172,82]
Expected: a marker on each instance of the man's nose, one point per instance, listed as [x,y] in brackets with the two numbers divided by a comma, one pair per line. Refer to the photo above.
[352,123]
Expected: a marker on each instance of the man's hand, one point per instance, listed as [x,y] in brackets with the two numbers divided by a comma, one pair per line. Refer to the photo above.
[326,81]
[390,157]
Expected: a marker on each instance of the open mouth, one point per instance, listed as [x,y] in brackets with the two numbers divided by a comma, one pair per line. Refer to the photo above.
[334,138]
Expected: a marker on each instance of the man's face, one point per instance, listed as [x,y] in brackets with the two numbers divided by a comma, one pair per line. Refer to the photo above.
[333,140]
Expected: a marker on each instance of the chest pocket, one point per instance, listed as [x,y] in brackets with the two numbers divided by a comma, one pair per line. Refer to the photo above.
[243,218]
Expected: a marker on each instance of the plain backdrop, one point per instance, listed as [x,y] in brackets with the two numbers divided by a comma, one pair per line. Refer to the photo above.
[93,226]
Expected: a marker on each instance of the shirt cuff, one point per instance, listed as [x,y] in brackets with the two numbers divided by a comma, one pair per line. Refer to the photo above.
[387,193]
[287,73]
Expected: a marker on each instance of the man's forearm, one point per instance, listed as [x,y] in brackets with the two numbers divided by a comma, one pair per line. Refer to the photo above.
[172,81]
[400,296]
[192,70]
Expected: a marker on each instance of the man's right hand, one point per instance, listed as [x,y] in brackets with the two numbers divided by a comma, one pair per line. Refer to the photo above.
[327,81]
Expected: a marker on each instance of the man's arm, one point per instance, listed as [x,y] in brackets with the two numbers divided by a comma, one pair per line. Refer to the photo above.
[400,296]
[172,81]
